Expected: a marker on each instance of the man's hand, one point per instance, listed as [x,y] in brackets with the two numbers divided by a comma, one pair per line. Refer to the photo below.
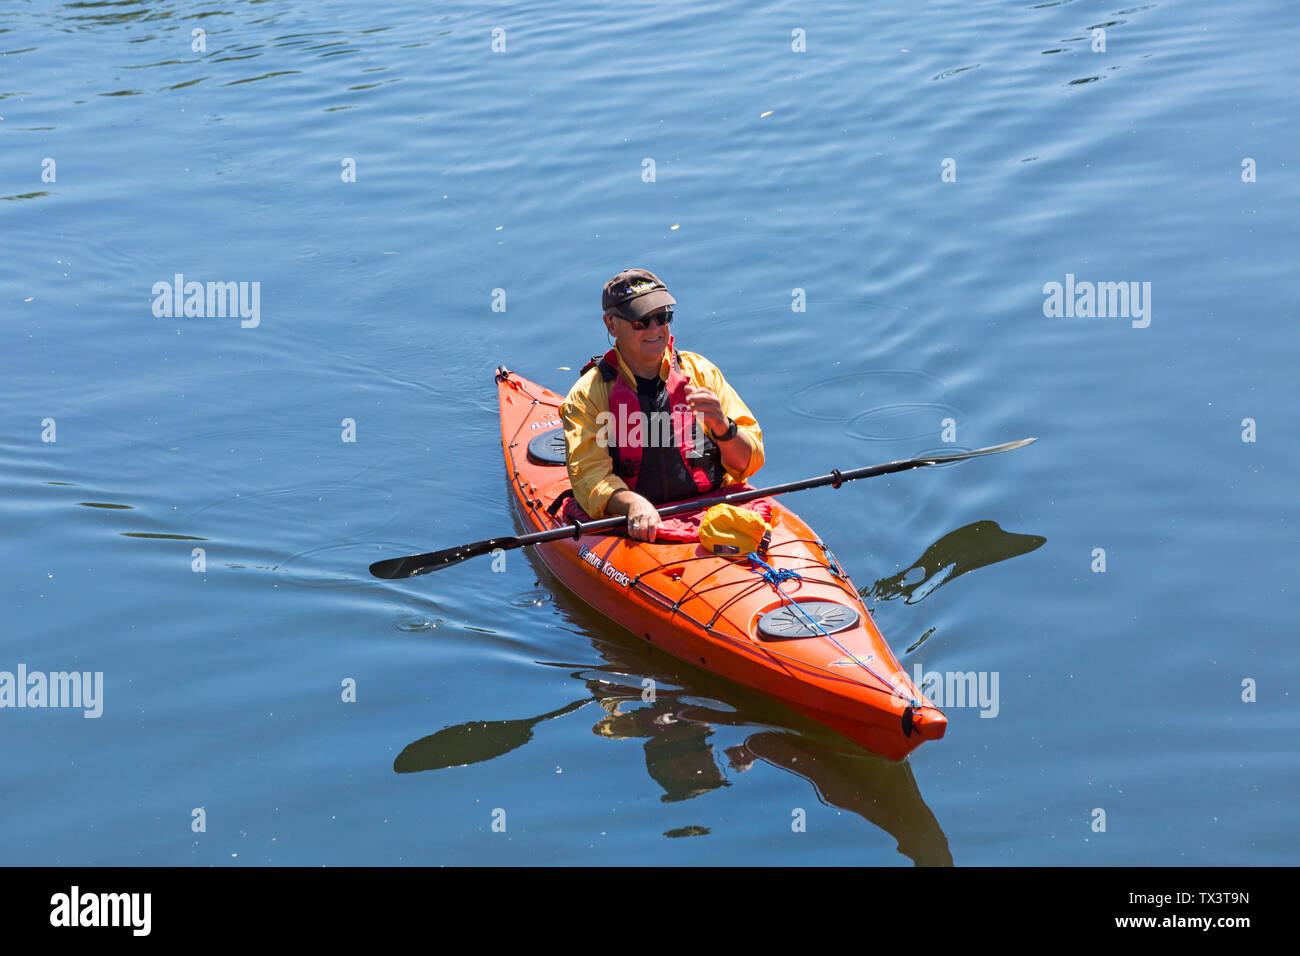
[735,452]
[705,403]
[642,518]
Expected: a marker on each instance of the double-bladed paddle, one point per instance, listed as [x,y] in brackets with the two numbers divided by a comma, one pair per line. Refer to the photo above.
[411,565]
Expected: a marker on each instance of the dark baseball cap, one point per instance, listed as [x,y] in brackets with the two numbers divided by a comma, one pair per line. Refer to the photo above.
[635,293]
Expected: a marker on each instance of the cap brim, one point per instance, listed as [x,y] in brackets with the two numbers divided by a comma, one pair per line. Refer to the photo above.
[645,304]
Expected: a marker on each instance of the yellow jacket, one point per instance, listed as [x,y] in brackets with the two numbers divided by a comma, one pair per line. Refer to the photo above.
[591,470]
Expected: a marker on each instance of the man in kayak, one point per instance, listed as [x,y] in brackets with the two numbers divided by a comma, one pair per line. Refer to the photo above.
[631,421]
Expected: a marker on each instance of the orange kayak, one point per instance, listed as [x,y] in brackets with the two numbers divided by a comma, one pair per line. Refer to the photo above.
[826,658]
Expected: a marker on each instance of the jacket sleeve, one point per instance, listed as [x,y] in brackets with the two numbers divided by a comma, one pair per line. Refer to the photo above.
[591,470]
[733,407]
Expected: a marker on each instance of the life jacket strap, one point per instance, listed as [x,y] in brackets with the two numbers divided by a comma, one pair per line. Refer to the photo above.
[559,501]
[609,371]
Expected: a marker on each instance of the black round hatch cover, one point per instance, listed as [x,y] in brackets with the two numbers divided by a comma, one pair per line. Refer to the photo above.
[784,623]
[548,447]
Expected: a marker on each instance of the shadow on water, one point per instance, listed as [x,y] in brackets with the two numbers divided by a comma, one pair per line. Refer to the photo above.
[676,715]
[973,546]
[473,742]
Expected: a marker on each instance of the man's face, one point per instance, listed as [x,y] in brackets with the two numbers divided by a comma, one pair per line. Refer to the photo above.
[645,347]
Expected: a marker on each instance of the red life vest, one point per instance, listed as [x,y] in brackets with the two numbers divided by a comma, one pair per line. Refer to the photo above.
[625,406]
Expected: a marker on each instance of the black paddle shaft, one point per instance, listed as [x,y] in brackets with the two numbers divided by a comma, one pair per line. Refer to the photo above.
[411,565]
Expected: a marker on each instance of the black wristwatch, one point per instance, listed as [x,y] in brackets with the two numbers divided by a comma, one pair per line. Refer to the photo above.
[730,433]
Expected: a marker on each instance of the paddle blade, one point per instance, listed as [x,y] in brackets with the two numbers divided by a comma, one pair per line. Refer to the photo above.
[963,455]
[413,564]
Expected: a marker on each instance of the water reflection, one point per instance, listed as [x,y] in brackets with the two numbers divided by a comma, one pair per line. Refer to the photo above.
[884,794]
[678,753]
[678,718]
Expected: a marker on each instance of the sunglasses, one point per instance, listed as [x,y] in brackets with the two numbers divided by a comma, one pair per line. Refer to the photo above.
[640,325]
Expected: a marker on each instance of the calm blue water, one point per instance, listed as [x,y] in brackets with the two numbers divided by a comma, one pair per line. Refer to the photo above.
[774,170]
